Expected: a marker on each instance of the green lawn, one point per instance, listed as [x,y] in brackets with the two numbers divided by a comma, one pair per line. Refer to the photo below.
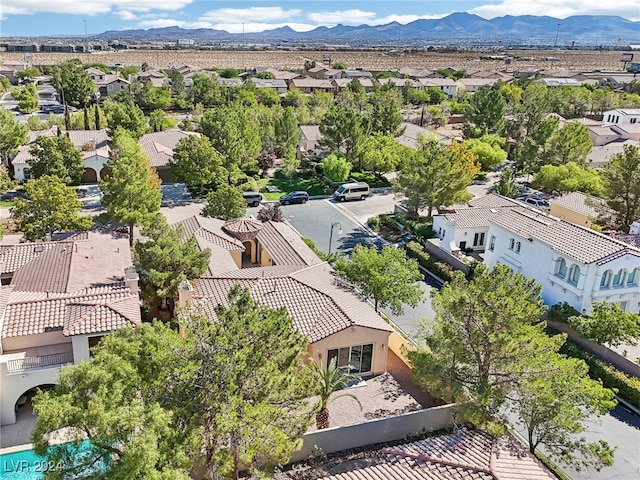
[5,204]
[369,178]
[312,186]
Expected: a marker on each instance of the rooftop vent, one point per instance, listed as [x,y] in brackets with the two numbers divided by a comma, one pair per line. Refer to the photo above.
[38,249]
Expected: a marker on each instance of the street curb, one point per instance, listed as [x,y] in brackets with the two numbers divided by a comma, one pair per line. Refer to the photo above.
[628,406]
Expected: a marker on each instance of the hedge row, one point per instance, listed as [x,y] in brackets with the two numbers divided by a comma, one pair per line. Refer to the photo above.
[628,386]
[441,269]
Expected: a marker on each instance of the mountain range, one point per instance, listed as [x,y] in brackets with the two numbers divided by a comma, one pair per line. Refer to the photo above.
[459,27]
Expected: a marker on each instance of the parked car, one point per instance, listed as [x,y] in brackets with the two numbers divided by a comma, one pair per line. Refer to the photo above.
[535,203]
[90,195]
[11,195]
[252,199]
[294,197]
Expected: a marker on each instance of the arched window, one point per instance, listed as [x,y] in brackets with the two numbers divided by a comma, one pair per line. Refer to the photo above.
[632,279]
[518,245]
[561,268]
[605,280]
[512,244]
[574,274]
[619,278]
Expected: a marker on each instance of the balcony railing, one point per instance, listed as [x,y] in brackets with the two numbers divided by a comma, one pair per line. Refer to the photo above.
[26,363]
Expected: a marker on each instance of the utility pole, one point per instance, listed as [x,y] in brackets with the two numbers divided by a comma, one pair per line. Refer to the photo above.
[243,47]
[555,45]
[86,41]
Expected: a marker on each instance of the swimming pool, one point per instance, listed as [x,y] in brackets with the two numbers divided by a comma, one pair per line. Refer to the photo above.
[26,465]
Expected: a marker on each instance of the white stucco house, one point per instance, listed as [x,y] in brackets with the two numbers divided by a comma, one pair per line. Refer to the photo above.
[57,300]
[621,116]
[573,264]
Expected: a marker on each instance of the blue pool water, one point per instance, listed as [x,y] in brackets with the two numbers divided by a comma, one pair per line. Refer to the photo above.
[26,465]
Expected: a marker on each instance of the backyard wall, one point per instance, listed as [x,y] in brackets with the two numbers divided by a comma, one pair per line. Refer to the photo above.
[434,251]
[380,430]
[396,344]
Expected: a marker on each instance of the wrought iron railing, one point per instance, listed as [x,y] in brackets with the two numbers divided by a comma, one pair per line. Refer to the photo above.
[26,363]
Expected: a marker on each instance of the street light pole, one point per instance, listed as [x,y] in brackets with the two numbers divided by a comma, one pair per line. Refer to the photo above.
[334,224]
[555,45]
[86,40]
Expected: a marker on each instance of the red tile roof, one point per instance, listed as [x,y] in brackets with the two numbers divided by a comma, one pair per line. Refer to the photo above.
[471,455]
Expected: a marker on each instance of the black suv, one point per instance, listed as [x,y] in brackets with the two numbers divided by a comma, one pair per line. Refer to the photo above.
[294,197]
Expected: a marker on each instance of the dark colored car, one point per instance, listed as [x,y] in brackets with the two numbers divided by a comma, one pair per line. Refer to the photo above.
[11,195]
[294,197]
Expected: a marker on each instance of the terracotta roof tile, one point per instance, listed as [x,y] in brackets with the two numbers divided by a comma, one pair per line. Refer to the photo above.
[209,229]
[582,244]
[493,200]
[580,203]
[471,455]
[14,257]
[159,145]
[285,247]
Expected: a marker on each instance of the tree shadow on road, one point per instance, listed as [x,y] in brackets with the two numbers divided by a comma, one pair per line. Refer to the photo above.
[359,236]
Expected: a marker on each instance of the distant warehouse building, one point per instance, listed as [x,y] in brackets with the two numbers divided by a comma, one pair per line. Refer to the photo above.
[185,41]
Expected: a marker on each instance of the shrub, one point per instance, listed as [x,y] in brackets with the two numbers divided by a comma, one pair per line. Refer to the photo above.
[560,312]
[374,223]
[627,386]
[441,269]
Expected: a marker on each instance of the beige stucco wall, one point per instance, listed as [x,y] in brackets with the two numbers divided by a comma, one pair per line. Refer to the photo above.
[265,258]
[237,257]
[570,216]
[354,336]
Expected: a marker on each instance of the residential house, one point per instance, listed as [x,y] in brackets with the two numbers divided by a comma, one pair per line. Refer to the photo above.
[10,69]
[409,137]
[154,77]
[603,135]
[573,264]
[472,85]
[230,82]
[309,140]
[399,83]
[310,85]
[276,84]
[601,155]
[280,270]
[621,116]
[415,73]
[554,82]
[356,73]
[447,85]
[57,300]
[159,147]
[93,144]
[325,73]
[579,208]
[464,454]
[111,85]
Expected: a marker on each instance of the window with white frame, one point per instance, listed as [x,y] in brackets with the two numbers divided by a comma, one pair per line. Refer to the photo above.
[605,280]
[623,305]
[632,278]
[619,278]
[574,274]
[561,268]
[492,242]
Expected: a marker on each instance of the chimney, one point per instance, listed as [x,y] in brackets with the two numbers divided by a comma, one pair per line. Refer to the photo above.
[185,293]
[131,279]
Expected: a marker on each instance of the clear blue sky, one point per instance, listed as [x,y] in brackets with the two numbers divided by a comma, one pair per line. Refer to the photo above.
[68,17]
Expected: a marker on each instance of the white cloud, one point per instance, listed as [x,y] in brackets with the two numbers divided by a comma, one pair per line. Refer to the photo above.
[345,17]
[247,15]
[560,8]
[87,7]
[127,15]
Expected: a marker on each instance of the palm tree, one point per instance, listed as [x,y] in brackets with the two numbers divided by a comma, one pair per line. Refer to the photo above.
[328,380]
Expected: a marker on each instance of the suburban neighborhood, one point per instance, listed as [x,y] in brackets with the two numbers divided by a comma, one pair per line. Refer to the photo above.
[324,272]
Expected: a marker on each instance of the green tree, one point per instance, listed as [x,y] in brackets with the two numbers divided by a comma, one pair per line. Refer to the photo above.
[482,332]
[160,121]
[267,96]
[342,129]
[436,175]
[50,207]
[489,150]
[177,82]
[507,185]
[120,399]
[73,84]
[225,203]
[249,386]
[12,135]
[228,73]
[381,154]
[608,324]
[570,143]
[27,98]
[555,406]
[386,115]
[128,116]
[621,177]
[197,163]
[132,193]
[387,277]
[571,177]
[486,110]
[328,380]
[336,168]
[56,156]
[166,259]
[98,117]
[287,130]
[5,180]
[206,91]
[291,162]
[233,132]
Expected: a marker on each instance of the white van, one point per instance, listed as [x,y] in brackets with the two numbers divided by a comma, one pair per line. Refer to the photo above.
[352,191]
